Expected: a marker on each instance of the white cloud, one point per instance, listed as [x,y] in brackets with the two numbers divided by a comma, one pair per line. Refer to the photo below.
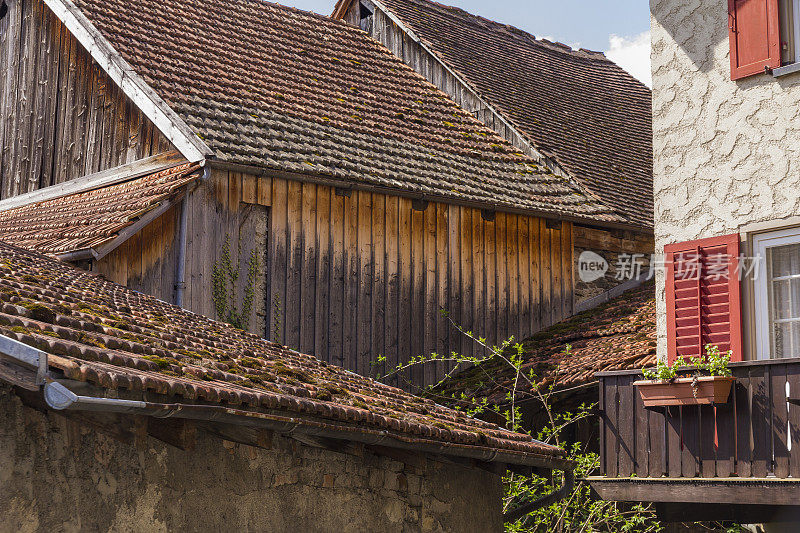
[632,54]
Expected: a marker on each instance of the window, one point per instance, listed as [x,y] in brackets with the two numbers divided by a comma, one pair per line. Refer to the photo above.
[703,297]
[777,294]
[365,17]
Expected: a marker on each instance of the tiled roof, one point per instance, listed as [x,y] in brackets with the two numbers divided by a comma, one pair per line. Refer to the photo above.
[577,106]
[275,87]
[102,333]
[618,335]
[92,218]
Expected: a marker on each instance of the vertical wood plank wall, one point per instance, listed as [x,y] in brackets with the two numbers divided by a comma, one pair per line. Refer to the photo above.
[147,262]
[60,116]
[351,278]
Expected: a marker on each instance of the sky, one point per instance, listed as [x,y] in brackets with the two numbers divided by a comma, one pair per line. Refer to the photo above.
[620,28]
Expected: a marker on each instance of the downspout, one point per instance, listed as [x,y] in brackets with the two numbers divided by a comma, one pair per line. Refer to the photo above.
[180,275]
[544,501]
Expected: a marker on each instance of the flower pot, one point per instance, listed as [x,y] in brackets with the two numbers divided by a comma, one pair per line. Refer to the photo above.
[703,390]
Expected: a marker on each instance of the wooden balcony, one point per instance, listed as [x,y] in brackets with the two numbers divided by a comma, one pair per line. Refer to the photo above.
[745,451]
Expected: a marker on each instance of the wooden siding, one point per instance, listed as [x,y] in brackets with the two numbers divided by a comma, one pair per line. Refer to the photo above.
[754,434]
[61,117]
[355,277]
[351,278]
[147,262]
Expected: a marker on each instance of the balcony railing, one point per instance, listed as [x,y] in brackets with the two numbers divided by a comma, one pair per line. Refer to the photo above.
[756,434]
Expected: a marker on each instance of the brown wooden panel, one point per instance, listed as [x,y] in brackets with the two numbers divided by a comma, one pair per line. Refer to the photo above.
[393,284]
[780,420]
[627,426]
[501,235]
[726,437]
[379,322]
[512,242]
[602,423]
[442,290]
[642,438]
[350,309]
[338,261]
[674,449]
[536,277]
[468,281]
[523,288]
[250,189]
[690,440]
[557,277]
[490,277]
[479,281]
[567,267]
[546,275]
[656,444]
[280,256]
[430,311]
[793,378]
[418,324]
[454,275]
[406,287]
[307,282]
[324,274]
[294,263]
[744,432]
[612,426]
[760,418]
[708,441]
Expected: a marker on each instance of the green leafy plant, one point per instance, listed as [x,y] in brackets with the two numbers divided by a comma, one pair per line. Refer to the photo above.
[714,363]
[224,281]
[503,367]
[663,371]
[579,511]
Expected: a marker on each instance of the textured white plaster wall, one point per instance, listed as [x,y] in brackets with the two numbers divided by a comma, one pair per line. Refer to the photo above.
[726,153]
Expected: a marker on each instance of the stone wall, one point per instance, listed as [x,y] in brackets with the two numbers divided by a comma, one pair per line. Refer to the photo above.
[726,153]
[60,475]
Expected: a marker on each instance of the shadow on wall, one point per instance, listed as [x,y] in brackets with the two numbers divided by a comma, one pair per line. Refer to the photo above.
[697,27]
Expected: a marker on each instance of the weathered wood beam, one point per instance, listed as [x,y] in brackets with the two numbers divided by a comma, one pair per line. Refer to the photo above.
[689,490]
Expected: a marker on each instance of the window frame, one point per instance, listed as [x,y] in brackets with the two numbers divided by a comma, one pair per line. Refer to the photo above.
[761,242]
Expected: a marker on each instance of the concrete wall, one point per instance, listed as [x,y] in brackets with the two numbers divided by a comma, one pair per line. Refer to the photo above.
[61,475]
[726,153]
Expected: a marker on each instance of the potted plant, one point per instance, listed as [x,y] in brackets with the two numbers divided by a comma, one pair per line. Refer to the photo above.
[710,383]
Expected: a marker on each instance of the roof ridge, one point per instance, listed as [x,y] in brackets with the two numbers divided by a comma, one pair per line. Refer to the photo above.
[524,35]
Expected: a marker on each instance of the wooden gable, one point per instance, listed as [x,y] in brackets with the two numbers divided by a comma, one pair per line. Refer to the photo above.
[61,116]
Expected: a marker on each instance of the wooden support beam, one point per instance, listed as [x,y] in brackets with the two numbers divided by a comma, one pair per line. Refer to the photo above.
[259,438]
[176,432]
[689,490]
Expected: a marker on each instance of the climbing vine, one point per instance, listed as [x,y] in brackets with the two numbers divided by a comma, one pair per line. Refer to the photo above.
[224,280]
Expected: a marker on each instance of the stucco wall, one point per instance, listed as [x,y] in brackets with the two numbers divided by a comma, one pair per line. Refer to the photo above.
[59,475]
[726,153]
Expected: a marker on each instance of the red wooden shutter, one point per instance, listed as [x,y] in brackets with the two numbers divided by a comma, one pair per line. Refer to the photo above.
[703,297]
[754,34]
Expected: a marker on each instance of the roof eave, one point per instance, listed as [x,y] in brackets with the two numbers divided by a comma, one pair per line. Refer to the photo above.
[28,368]
[131,83]
[330,181]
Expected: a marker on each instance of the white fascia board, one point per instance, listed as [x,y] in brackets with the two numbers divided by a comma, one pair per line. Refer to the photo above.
[133,86]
